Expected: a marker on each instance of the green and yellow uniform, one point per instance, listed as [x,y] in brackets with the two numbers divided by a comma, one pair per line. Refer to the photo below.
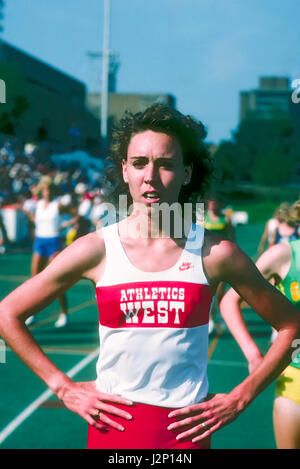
[218,226]
[288,384]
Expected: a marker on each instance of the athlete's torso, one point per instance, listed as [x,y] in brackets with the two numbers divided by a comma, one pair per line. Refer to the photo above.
[47,219]
[153,326]
[290,285]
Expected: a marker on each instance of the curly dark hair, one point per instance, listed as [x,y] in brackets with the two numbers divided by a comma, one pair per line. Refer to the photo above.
[161,118]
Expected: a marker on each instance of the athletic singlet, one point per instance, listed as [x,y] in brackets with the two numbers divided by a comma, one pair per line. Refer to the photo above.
[47,219]
[290,285]
[279,239]
[218,225]
[154,326]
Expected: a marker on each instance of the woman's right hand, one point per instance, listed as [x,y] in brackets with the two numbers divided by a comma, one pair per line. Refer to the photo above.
[92,405]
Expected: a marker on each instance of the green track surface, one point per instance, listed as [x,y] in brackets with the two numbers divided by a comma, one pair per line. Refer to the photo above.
[51,426]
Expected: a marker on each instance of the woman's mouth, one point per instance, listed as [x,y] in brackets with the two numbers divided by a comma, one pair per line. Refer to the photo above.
[152,196]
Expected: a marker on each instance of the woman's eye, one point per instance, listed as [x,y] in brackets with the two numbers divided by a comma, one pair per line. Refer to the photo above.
[167,165]
[138,164]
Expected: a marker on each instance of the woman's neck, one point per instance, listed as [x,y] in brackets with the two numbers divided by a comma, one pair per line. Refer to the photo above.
[153,224]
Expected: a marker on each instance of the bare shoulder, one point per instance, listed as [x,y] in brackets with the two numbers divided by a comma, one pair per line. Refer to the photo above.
[280,252]
[82,256]
[275,261]
[91,244]
[88,246]
[222,257]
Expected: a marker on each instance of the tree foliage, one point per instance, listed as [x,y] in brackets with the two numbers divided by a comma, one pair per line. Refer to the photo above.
[262,150]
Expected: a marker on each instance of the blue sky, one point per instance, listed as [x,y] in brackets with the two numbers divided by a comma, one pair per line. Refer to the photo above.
[204,52]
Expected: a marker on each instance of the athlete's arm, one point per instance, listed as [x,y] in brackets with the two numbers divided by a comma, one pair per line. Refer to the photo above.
[30,215]
[226,262]
[263,239]
[273,264]
[77,261]
[69,210]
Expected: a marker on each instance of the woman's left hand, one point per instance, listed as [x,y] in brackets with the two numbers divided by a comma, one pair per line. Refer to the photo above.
[205,418]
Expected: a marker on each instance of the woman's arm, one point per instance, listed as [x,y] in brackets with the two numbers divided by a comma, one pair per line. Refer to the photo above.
[72,264]
[30,215]
[273,264]
[226,262]
[263,240]
[70,210]
[70,222]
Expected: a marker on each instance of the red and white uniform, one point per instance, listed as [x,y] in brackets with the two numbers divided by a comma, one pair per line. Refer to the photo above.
[153,337]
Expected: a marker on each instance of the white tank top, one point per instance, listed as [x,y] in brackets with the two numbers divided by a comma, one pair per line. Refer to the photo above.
[154,326]
[47,219]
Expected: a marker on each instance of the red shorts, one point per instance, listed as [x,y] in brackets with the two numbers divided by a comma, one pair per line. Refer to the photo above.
[146,430]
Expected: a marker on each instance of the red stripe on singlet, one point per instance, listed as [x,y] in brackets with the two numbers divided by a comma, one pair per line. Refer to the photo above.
[154,304]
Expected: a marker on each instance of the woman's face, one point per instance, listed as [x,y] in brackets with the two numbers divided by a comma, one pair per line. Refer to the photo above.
[214,205]
[45,191]
[154,168]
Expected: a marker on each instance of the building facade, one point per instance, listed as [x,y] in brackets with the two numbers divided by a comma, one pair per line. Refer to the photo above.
[55,102]
[273,96]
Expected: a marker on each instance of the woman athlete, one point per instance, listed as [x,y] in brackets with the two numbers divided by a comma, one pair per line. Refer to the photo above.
[154,290]
[268,236]
[287,229]
[47,240]
[281,264]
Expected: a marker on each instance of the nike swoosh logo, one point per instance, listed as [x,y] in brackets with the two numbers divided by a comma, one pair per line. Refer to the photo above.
[186,266]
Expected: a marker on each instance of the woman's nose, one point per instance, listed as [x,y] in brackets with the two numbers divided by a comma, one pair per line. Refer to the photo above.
[149,172]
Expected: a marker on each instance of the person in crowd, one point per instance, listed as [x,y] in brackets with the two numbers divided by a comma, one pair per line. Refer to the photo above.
[47,241]
[85,205]
[29,207]
[81,225]
[287,229]
[270,227]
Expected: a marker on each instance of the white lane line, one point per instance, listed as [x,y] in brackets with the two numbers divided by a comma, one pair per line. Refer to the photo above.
[57,351]
[14,424]
[227,363]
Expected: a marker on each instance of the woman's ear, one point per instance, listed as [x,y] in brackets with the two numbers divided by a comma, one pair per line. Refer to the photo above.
[124,170]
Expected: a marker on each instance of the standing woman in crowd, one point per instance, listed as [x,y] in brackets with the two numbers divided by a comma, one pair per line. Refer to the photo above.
[216,220]
[47,240]
[268,235]
[155,285]
[280,264]
[287,229]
